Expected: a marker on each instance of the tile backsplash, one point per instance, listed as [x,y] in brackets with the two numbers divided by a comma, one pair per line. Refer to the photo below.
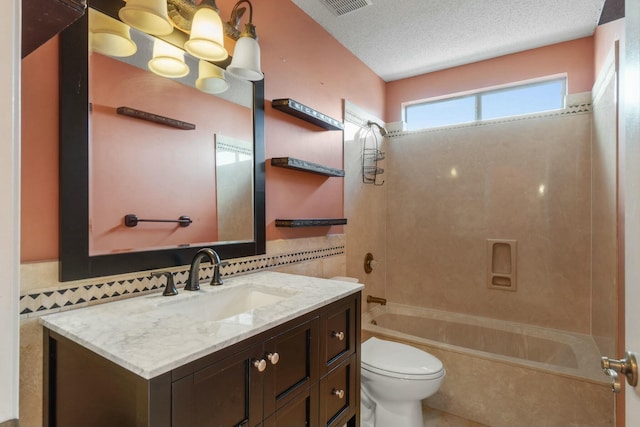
[43,294]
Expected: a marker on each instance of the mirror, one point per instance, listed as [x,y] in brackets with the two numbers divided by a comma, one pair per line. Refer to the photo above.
[155,140]
[115,165]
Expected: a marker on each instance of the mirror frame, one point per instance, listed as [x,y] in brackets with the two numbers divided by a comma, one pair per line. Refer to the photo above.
[75,261]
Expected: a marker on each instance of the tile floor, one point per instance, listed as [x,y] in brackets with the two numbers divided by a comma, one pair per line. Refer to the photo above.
[435,418]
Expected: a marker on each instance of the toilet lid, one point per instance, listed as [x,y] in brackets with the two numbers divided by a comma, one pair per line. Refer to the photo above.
[399,360]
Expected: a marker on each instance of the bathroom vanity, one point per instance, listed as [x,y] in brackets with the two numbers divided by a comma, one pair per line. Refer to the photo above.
[265,349]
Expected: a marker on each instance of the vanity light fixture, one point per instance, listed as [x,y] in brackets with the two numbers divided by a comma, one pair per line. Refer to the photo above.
[109,36]
[205,28]
[168,60]
[211,78]
[206,40]
[207,36]
[246,56]
[149,16]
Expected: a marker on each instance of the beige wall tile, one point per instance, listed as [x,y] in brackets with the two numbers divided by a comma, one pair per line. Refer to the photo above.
[31,365]
[451,190]
[366,208]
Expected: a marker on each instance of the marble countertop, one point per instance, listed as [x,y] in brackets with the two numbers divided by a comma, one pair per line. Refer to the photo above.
[153,334]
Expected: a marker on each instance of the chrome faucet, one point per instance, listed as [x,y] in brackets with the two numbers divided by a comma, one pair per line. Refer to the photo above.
[194,271]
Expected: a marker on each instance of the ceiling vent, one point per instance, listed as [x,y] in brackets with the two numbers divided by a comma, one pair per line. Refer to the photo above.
[342,7]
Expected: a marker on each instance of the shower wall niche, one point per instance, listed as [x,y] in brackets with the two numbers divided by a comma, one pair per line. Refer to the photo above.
[502,257]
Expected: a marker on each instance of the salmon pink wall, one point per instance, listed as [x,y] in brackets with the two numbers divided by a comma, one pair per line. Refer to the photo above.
[39,208]
[573,57]
[300,61]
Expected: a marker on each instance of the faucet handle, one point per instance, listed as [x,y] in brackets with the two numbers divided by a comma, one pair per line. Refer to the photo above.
[170,287]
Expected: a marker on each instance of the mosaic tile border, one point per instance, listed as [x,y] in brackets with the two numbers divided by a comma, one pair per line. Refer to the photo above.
[38,303]
[578,108]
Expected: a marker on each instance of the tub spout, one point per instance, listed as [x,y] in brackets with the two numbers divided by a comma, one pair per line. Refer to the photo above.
[377,300]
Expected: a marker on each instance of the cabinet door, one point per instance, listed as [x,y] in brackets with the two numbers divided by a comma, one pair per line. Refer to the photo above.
[339,334]
[299,412]
[339,394]
[297,365]
[227,393]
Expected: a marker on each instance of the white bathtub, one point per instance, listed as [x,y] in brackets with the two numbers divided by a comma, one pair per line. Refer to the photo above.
[501,373]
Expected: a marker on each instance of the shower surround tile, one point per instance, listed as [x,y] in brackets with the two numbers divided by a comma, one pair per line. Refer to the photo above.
[451,189]
[366,204]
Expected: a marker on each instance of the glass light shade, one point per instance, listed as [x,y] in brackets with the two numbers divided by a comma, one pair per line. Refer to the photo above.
[110,36]
[206,40]
[211,78]
[149,16]
[246,60]
[168,60]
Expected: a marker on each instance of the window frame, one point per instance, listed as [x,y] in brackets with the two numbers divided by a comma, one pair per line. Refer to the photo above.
[478,93]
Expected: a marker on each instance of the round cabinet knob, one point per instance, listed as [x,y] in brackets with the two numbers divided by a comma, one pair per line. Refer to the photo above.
[339,393]
[261,364]
[274,358]
[339,335]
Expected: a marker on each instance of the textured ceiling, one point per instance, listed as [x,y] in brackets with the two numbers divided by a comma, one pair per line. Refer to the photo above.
[404,38]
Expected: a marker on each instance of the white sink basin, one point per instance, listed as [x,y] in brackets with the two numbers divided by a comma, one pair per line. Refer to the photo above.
[223,304]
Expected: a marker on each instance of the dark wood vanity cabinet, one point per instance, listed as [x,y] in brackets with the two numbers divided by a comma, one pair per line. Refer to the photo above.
[304,372]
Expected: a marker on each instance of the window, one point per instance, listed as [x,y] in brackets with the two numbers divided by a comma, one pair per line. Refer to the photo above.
[487,104]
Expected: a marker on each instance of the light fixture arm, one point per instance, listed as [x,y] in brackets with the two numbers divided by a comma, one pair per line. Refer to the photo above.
[182,11]
[236,14]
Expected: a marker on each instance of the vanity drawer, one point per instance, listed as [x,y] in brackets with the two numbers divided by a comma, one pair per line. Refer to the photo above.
[338,393]
[301,411]
[339,330]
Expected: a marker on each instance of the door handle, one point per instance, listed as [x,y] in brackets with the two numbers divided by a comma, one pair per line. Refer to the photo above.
[627,366]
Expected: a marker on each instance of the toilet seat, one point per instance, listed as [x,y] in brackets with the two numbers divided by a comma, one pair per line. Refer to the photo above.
[397,360]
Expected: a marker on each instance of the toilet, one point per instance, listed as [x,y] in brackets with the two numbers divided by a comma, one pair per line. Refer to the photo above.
[395,379]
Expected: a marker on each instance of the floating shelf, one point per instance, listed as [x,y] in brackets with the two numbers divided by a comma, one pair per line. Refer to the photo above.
[301,111]
[304,166]
[155,118]
[310,222]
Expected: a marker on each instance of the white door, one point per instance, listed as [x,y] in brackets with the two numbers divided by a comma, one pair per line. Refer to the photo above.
[9,207]
[630,103]
[632,317]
